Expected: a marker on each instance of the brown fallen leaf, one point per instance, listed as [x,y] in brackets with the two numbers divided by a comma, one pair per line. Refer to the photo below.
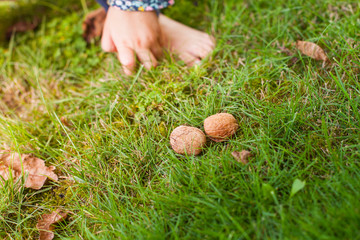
[22,26]
[65,121]
[93,24]
[241,156]
[14,164]
[45,223]
[311,50]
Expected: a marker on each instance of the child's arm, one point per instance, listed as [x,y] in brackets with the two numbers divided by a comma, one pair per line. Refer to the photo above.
[132,27]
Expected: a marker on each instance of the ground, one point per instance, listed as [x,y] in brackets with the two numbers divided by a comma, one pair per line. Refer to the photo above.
[108,135]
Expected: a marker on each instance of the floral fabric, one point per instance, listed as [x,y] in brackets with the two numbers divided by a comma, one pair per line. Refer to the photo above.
[140,5]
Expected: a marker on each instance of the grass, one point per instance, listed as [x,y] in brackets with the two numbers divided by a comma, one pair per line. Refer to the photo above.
[69,104]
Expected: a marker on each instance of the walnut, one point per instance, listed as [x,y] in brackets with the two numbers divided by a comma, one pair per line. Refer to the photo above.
[187,140]
[220,127]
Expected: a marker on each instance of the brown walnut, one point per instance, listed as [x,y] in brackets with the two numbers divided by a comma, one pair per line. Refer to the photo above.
[187,140]
[220,127]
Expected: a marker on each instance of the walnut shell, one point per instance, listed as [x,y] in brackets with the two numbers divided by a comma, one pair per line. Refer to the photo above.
[187,140]
[220,127]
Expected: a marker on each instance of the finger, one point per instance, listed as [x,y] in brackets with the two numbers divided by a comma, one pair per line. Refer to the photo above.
[202,51]
[208,40]
[107,43]
[127,59]
[157,51]
[189,59]
[146,58]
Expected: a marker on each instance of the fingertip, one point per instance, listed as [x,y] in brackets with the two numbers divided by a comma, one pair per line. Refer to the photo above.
[147,59]
[108,46]
[147,66]
[150,64]
[153,62]
[203,52]
[129,68]
[196,62]
[127,71]
[127,60]
[189,59]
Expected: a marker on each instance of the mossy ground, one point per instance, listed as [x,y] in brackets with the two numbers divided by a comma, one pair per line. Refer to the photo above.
[107,134]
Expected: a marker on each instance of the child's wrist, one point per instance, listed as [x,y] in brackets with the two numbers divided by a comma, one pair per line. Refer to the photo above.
[157,12]
[141,6]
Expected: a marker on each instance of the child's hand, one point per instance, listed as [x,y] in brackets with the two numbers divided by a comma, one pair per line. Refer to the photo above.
[127,33]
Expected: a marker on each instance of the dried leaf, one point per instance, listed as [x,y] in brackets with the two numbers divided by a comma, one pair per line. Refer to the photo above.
[14,164]
[312,50]
[93,24]
[241,156]
[13,95]
[45,223]
[65,121]
[22,26]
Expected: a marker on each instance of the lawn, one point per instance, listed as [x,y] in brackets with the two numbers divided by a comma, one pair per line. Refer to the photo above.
[108,134]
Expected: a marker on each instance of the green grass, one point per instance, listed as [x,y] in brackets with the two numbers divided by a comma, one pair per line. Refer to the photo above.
[300,121]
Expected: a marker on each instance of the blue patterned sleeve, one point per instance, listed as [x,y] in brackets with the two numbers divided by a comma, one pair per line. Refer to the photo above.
[104,4]
[140,5]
